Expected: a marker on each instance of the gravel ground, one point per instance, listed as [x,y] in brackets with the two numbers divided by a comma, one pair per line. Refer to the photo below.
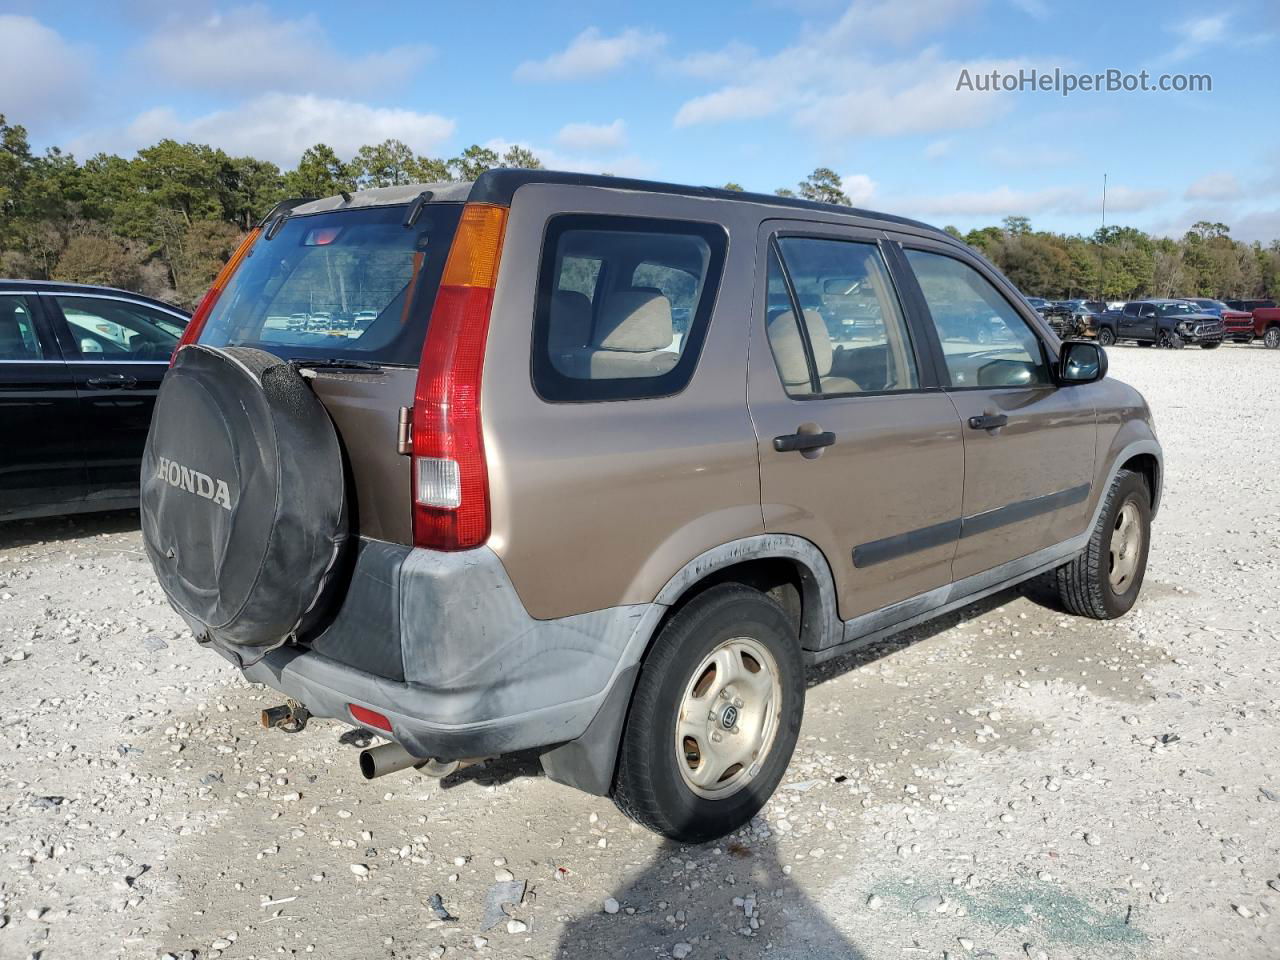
[1012,782]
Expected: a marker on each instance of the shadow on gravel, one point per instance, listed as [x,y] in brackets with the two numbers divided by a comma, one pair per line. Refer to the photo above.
[791,926]
[863,656]
[25,533]
[1034,590]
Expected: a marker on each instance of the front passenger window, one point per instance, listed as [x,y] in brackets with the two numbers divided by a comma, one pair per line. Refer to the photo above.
[985,341]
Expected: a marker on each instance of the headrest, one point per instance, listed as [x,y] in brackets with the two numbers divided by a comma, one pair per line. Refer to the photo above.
[570,320]
[784,338]
[634,321]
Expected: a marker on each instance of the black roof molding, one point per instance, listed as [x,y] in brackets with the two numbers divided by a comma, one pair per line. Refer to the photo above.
[499,186]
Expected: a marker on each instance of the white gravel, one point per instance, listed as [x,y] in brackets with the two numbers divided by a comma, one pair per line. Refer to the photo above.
[1013,782]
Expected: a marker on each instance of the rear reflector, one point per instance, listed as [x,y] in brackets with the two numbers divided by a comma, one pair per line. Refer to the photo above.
[370,718]
[451,483]
[198,319]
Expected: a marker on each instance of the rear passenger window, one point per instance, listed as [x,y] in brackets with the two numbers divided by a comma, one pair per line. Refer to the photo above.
[18,340]
[853,338]
[623,306]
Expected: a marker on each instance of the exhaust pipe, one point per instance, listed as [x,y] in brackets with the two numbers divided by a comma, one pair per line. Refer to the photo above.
[391,757]
[387,758]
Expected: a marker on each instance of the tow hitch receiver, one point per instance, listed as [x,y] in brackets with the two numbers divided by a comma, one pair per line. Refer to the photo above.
[290,717]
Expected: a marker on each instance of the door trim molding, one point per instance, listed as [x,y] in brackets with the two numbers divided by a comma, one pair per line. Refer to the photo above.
[935,535]
[1023,510]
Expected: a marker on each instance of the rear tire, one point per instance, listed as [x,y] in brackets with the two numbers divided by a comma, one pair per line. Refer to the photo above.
[1106,336]
[1104,580]
[697,684]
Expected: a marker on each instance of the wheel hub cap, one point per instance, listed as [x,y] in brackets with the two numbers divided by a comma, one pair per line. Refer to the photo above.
[728,719]
[1126,547]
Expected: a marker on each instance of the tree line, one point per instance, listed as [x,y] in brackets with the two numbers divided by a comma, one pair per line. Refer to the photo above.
[165,220]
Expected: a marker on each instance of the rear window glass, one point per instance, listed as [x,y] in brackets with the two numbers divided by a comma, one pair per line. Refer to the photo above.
[353,284]
[623,305]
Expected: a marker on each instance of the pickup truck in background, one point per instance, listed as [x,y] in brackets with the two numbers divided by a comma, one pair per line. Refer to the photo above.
[1237,325]
[1266,326]
[1164,323]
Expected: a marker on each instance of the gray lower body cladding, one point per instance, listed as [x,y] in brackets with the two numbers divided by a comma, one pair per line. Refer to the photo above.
[442,645]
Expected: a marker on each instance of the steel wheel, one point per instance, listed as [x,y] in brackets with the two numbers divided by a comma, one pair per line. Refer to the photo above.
[728,718]
[1126,547]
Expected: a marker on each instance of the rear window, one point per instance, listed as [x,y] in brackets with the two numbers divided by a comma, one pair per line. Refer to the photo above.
[354,284]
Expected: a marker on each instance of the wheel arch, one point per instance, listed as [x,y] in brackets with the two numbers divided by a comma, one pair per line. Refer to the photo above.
[790,568]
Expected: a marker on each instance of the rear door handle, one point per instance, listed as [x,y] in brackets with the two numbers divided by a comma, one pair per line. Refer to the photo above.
[115,381]
[803,441]
[988,421]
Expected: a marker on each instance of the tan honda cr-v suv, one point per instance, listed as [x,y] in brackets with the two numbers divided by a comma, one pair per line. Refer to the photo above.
[596,467]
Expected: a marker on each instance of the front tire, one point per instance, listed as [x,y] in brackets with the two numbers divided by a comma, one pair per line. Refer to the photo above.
[1104,580]
[1211,346]
[714,718]
[1106,336]
[1271,339]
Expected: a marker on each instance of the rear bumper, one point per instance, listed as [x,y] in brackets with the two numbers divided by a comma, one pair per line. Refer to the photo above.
[442,645]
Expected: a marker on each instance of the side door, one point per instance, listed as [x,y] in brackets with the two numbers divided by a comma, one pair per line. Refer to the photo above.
[1028,443]
[1127,324]
[1147,325]
[860,451]
[42,463]
[118,350]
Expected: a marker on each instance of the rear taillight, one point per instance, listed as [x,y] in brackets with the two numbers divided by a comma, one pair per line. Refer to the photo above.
[450,479]
[198,319]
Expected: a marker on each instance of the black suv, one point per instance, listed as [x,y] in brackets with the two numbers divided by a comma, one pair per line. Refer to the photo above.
[79,370]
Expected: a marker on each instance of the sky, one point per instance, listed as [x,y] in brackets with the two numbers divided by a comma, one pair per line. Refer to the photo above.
[759,92]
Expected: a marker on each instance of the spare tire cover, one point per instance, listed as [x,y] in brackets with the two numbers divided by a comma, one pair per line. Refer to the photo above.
[243,496]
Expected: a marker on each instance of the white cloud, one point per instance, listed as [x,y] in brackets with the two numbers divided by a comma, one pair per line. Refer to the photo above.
[591,53]
[859,188]
[728,103]
[1122,199]
[1036,9]
[896,21]
[626,165]
[592,136]
[1214,186]
[246,50]
[831,82]
[715,63]
[938,149]
[1007,201]
[43,79]
[1198,33]
[279,126]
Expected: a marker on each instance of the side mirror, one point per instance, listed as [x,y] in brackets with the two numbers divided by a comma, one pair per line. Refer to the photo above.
[1081,361]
